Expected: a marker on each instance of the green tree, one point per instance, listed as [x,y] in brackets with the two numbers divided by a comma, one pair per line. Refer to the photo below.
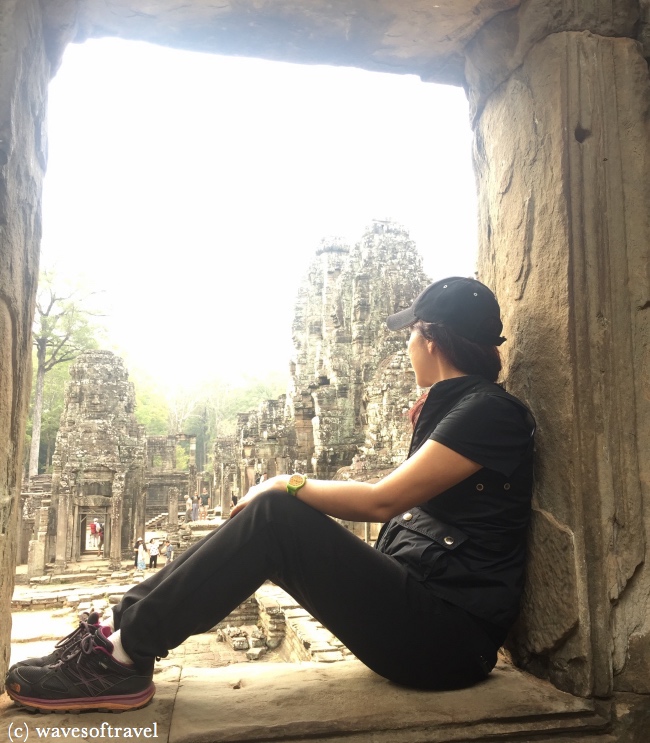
[219,403]
[53,399]
[182,458]
[63,328]
[152,408]
[210,409]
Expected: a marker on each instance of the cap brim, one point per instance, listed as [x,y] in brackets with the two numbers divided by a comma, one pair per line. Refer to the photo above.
[401,320]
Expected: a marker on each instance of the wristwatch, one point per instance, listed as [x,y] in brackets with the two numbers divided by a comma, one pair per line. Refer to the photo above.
[296,481]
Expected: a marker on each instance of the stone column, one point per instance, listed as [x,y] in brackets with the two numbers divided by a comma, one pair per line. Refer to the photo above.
[228,478]
[37,556]
[61,546]
[116,516]
[172,509]
[561,103]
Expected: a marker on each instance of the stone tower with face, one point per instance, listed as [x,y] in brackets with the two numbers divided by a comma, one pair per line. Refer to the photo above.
[99,457]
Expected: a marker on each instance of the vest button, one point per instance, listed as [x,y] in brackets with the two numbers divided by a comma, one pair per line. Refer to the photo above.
[448,541]
[506,486]
[407,516]
[479,486]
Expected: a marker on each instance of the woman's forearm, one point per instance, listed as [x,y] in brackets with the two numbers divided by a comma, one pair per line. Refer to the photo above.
[343,499]
[430,471]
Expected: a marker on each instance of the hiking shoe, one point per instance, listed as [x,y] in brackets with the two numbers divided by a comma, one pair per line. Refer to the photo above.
[87,678]
[64,646]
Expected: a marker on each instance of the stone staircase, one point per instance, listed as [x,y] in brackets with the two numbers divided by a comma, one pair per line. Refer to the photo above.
[193,531]
[160,521]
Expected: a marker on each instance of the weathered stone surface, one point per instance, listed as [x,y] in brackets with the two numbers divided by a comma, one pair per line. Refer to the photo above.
[409,36]
[563,168]
[24,72]
[324,702]
[635,671]
[502,44]
[548,617]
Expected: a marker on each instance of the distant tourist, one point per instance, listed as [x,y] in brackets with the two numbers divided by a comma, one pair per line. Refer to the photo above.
[136,551]
[153,553]
[167,551]
[195,508]
[188,508]
[93,533]
[205,499]
[428,607]
[141,560]
[100,539]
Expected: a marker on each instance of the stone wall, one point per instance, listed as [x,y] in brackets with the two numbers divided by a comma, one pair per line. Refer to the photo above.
[25,69]
[561,112]
[162,475]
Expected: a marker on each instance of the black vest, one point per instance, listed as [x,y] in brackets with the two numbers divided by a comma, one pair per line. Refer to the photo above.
[468,544]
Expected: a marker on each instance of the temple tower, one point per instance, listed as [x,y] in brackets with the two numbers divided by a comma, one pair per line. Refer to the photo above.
[340,338]
[98,463]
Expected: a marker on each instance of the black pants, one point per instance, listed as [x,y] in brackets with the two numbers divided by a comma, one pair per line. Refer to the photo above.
[153,561]
[392,623]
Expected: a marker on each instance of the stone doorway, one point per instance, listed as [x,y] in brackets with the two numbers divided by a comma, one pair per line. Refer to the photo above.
[87,541]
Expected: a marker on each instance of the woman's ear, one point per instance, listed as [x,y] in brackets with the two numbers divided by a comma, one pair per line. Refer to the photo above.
[432,346]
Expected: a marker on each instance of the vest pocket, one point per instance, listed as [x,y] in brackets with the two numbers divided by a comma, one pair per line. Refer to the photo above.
[421,543]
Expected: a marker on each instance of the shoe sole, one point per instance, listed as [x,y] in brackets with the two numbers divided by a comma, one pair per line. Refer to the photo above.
[87,704]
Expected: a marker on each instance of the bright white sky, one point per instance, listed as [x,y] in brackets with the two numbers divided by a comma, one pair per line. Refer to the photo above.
[193,190]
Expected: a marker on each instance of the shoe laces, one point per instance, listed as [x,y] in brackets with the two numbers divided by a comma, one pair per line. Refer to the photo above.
[77,666]
[76,635]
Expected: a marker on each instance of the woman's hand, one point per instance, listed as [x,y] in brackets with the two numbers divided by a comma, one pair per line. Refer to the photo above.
[278,482]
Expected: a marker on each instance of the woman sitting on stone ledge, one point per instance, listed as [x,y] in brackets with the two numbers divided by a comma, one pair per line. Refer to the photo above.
[428,607]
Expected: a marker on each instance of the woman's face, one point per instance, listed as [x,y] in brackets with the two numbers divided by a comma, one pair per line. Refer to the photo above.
[422,360]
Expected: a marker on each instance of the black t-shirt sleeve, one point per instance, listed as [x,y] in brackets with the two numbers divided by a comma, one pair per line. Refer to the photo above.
[488,429]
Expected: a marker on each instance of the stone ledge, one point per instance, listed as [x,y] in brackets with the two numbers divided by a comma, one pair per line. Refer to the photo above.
[310,702]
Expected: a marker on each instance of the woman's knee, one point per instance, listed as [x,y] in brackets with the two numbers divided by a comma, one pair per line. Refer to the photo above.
[279,505]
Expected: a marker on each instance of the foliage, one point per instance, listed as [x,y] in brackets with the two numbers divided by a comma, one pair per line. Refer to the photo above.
[206,410]
[211,409]
[53,399]
[182,458]
[63,328]
[151,408]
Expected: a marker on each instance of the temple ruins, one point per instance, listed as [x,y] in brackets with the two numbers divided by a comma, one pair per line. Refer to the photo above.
[105,470]
[559,97]
[351,384]
[98,462]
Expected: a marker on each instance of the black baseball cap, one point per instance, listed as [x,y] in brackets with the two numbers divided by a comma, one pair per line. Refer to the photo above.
[464,305]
